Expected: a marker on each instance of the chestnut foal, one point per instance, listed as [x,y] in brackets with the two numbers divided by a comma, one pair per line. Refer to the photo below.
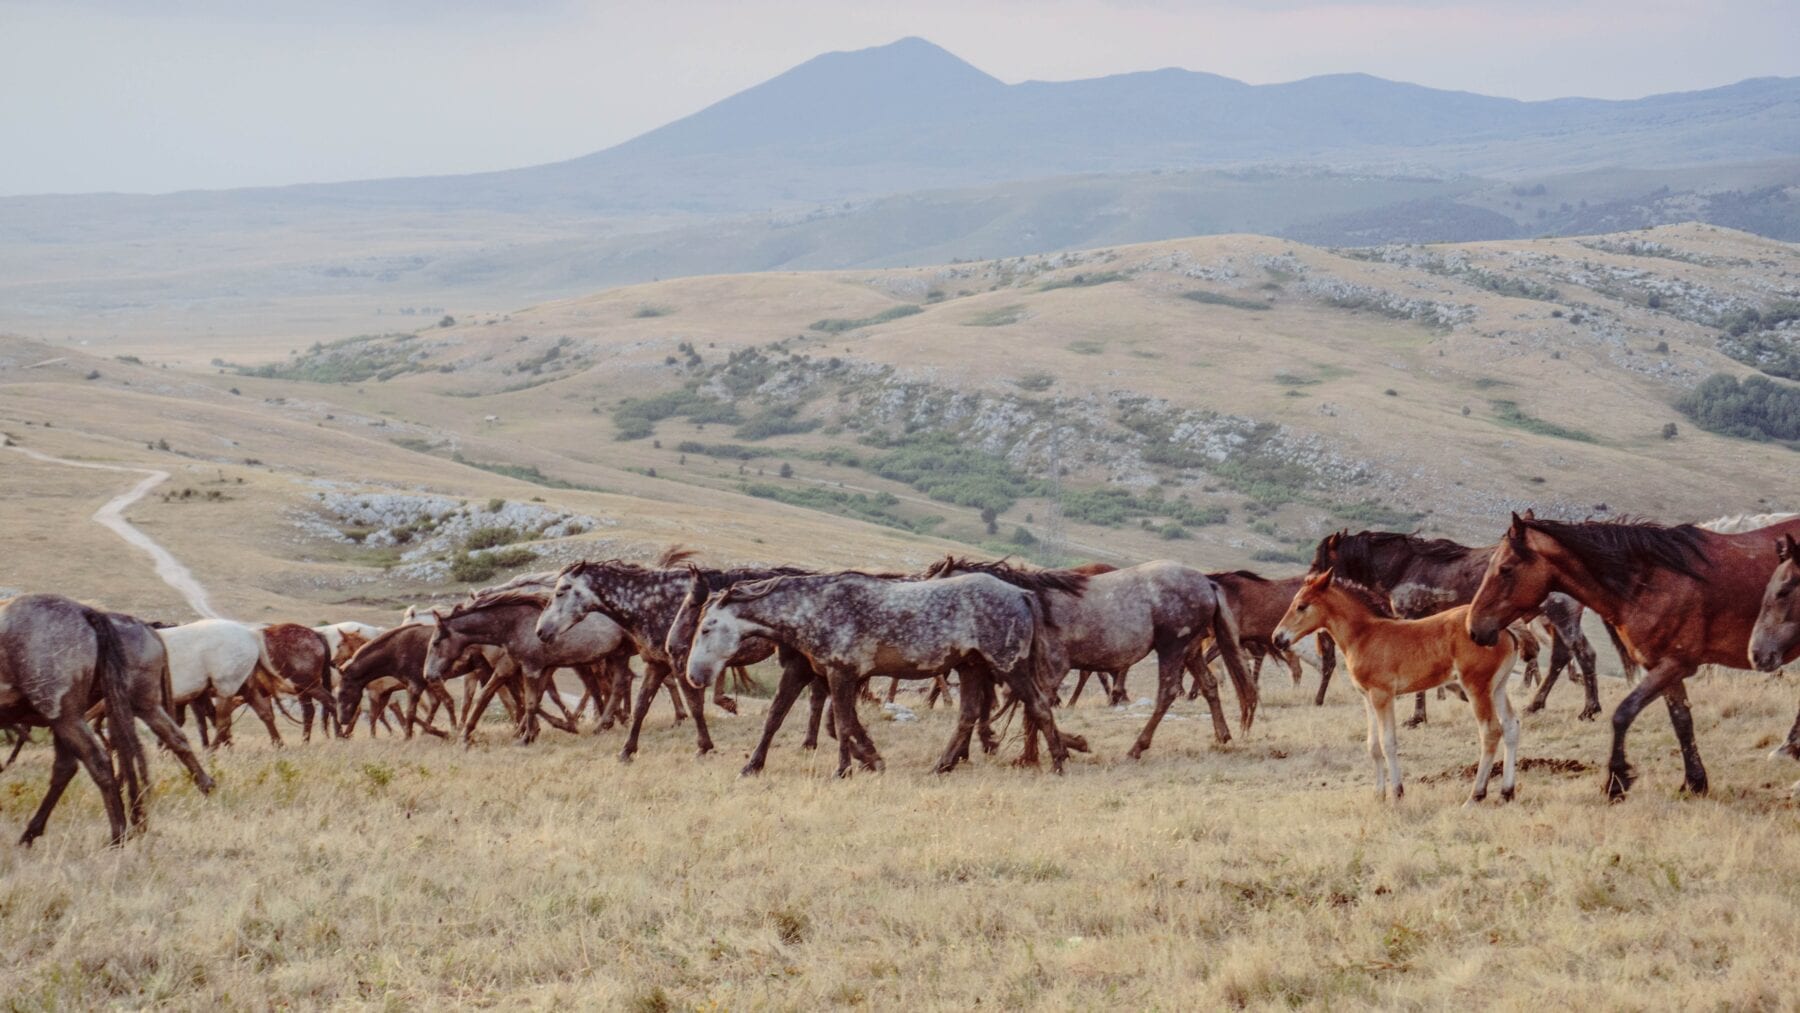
[1391,658]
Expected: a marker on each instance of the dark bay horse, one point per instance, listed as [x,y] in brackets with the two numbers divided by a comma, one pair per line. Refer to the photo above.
[398,653]
[1680,597]
[1259,602]
[58,656]
[1121,617]
[1424,576]
[644,601]
[851,626]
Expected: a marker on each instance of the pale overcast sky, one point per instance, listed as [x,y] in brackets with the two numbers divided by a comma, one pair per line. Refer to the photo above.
[147,96]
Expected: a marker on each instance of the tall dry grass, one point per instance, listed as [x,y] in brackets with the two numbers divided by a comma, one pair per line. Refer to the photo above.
[397,874]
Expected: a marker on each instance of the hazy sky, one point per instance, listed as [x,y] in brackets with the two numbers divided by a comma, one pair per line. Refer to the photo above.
[106,95]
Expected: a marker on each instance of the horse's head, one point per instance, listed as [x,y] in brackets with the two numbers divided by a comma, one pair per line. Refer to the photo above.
[1777,631]
[1518,579]
[446,646]
[1306,613]
[357,673]
[722,627]
[574,596]
[687,619]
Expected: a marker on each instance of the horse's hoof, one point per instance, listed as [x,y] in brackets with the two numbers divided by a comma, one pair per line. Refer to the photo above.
[1414,722]
[1506,794]
[205,784]
[1076,743]
[1618,782]
[1026,761]
[625,757]
[1695,788]
[1588,713]
[702,752]
[1534,706]
[728,705]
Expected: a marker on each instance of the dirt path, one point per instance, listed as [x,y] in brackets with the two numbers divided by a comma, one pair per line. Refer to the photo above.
[112,517]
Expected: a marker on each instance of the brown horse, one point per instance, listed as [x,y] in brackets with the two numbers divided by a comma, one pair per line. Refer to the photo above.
[1388,658]
[1424,576]
[398,653]
[1259,602]
[1680,597]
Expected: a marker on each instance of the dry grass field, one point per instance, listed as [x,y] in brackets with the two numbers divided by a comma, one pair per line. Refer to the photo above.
[1309,389]
[414,874]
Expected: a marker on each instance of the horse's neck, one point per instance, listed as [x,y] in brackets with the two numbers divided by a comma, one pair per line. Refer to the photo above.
[1350,622]
[489,625]
[786,614]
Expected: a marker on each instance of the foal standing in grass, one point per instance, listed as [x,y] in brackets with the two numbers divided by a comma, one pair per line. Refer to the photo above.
[1390,658]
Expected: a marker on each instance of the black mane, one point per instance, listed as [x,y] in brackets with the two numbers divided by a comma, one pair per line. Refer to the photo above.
[1373,558]
[1617,552]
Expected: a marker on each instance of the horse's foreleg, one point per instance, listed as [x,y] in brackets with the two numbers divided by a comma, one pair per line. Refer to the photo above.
[473,711]
[259,702]
[968,714]
[1208,685]
[697,706]
[1327,665]
[794,677]
[893,688]
[1656,682]
[1373,715]
[821,695]
[681,712]
[653,680]
[1559,659]
[1169,664]
[1390,747]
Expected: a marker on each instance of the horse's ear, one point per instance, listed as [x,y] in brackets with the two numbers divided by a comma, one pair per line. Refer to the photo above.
[1321,580]
[1530,514]
[696,583]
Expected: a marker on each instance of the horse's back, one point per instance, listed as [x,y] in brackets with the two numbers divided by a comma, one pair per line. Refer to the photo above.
[46,649]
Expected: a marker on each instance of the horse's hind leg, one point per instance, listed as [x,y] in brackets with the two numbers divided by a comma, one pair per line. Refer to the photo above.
[1373,714]
[1418,717]
[62,770]
[1509,730]
[821,695]
[1327,665]
[1559,659]
[1039,714]
[794,678]
[1209,688]
[259,702]
[1081,680]
[164,728]
[1790,748]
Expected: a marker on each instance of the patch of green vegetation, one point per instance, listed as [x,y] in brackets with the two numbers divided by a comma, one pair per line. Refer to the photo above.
[1508,413]
[1087,347]
[1767,319]
[636,418]
[524,473]
[1112,507]
[998,317]
[723,451]
[838,325]
[416,444]
[1222,299]
[473,567]
[1507,284]
[535,364]
[1082,280]
[648,310]
[1371,514]
[1036,381]
[491,537]
[1756,408]
[776,420]
[1489,383]
[1752,337]
[1295,380]
[1281,556]
[878,509]
[350,360]
[946,470]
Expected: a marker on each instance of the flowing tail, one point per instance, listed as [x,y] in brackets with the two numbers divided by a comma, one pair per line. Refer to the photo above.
[115,684]
[1225,634]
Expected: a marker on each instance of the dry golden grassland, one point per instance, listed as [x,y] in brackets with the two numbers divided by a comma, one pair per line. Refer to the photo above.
[414,874]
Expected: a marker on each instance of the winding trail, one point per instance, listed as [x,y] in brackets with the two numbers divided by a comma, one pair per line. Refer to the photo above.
[112,517]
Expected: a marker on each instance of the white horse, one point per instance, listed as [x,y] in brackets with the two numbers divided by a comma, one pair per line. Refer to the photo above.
[1737,524]
[225,659]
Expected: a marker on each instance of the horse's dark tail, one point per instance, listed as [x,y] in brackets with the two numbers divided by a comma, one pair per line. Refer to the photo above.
[1225,633]
[1327,665]
[1632,671]
[115,684]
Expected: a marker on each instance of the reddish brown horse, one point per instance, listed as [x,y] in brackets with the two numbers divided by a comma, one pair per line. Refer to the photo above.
[1259,603]
[1680,597]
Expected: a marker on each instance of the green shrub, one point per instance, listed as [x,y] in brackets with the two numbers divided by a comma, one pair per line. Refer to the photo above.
[1221,299]
[1508,413]
[838,325]
[1755,409]
[998,317]
[489,537]
[1082,280]
[945,470]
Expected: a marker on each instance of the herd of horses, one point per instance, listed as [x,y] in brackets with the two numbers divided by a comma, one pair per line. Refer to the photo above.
[1406,613]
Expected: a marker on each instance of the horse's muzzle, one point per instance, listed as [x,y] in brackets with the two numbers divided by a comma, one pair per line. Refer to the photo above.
[1485,632]
[1282,640]
[1764,657]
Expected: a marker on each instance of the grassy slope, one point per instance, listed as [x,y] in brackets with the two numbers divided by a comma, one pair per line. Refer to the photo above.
[1262,874]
